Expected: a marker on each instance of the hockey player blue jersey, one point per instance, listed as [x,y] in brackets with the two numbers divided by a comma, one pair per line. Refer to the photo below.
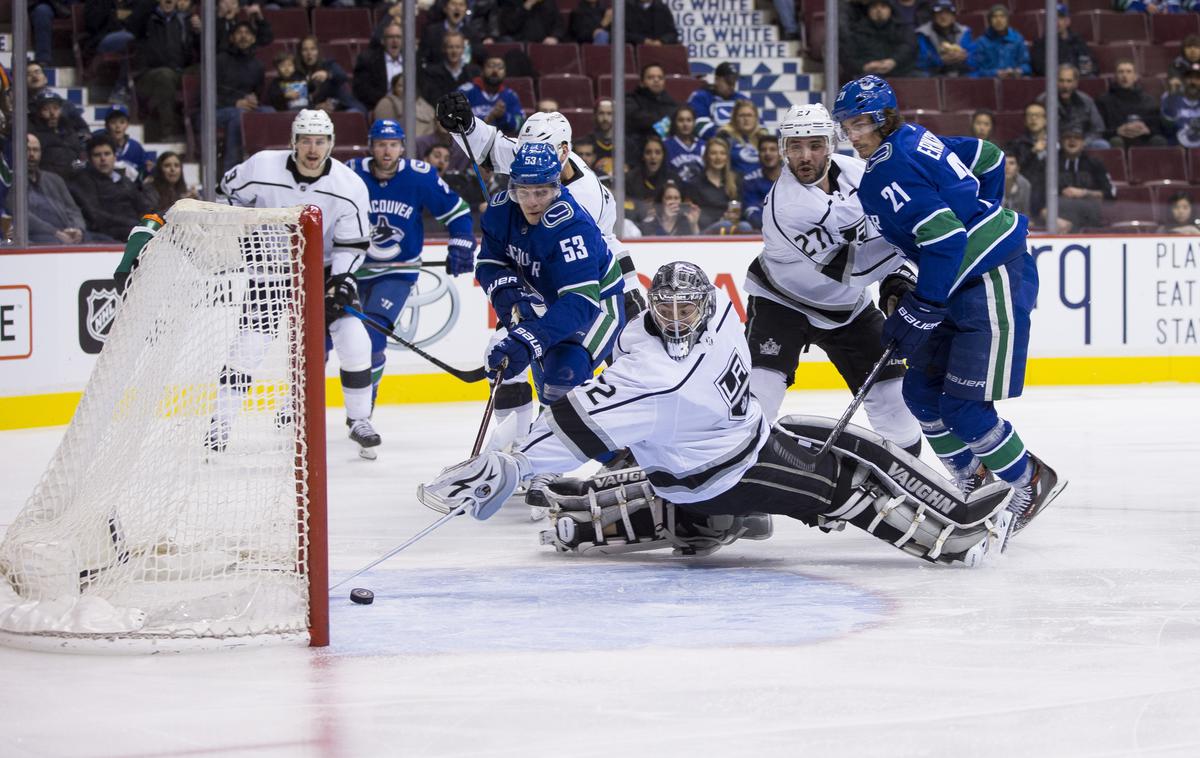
[564,259]
[986,162]
[929,203]
[397,231]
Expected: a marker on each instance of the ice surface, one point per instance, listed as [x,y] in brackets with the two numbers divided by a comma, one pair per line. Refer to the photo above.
[1083,640]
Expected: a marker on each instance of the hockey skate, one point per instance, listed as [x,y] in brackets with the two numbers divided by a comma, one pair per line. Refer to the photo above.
[535,496]
[1033,498]
[365,435]
[969,482]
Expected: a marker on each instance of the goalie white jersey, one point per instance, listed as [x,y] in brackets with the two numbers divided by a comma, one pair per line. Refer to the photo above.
[268,179]
[692,424]
[820,250]
[487,141]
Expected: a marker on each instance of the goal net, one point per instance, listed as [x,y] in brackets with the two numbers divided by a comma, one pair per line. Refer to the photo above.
[185,504]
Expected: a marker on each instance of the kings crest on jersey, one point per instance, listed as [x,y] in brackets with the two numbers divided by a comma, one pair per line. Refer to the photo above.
[562,255]
[397,231]
[939,210]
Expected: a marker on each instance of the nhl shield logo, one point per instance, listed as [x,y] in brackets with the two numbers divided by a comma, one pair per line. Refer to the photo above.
[98,299]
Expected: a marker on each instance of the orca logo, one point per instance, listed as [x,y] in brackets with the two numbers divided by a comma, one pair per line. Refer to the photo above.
[98,301]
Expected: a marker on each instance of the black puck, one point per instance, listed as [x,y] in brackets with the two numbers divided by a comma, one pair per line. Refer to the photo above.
[361,596]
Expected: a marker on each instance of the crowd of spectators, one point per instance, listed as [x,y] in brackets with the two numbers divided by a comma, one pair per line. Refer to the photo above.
[695,164]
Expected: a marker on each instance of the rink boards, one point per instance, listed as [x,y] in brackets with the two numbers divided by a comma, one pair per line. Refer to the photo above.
[1111,310]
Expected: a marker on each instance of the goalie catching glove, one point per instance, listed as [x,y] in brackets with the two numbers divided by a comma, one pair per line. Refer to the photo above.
[480,484]
[340,290]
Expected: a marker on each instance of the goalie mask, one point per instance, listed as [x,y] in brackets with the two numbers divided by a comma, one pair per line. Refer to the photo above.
[682,301]
[311,123]
[803,124]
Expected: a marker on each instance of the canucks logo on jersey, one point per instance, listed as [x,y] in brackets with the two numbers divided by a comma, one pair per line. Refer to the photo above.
[385,238]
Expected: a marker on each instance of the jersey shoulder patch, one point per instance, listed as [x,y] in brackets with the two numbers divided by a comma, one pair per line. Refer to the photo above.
[557,214]
[879,156]
[500,198]
[421,167]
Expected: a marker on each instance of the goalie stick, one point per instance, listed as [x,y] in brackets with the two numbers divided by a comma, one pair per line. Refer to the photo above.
[483,425]
[474,375]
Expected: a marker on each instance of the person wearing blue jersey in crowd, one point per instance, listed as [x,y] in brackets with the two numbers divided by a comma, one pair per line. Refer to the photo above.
[491,101]
[539,247]
[400,190]
[713,104]
[964,327]
[759,182]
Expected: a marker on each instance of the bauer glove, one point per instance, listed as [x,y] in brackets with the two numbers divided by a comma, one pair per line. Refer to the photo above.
[454,113]
[895,286]
[460,255]
[519,348]
[912,323]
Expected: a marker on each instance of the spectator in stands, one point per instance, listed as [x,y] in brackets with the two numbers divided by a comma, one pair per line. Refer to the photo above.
[546,105]
[239,80]
[591,22]
[1131,116]
[983,123]
[375,66]
[586,150]
[454,18]
[450,71]
[492,101]
[1083,184]
[1078,108]
[1182,111]
[685,151]
[328,83]
[1071,48]
[712,105]
[41,28]
[169,43]
[530,21]
[229,14]
[648,108]
[643,182]
[602,134]
[53,214]
[1189,55]
[166,185]
[62,144]
[36,83]
[718,186]
[649,22]
[1180,216]
[111,203]
[288,90]
[1030,147]
[670,215]
[758,182]
[943,44]
[1017,189]
[106,23]
[879,45]
[1161,6]
[912,13]
[742,134]
[1000,52]
[131,156]
[392,107]
[785,10]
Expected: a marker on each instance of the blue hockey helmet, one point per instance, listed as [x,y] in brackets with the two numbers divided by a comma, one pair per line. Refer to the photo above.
[535,163]
[386,128]
[866,96]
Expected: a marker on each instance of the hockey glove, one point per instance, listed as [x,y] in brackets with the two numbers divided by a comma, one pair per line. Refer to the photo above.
[912,323]
[454,113]
[519,348]
[340,290]
[482,484]
[506,293]
[895,286]
[460,255]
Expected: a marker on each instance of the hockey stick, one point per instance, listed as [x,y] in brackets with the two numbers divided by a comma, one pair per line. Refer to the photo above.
[474,375]
[857,401]
[475,165]
[460,510]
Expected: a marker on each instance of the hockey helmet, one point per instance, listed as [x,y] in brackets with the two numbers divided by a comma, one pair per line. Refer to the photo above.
[682,300]
[309,121]
[811,121]
[553,128]
[385,128]
[866,96]
[535,163]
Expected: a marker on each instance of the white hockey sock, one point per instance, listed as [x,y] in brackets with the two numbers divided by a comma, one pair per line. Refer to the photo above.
[769,387]
[889,415]
[353,346]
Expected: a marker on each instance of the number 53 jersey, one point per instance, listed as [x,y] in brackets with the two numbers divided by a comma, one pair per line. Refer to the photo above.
[820,250]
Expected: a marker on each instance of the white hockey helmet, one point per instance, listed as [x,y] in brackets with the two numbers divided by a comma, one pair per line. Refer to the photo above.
[310,121]
[682,300]
[547,127]
[810,120]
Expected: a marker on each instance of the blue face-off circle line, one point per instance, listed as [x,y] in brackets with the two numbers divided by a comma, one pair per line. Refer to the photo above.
[596,607]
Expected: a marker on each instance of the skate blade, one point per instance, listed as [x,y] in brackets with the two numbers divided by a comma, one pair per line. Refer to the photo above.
[367,453]
[1054,493]
[537,513]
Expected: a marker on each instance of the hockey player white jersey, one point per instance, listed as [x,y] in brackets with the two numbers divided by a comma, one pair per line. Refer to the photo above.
[820,250]
[269,179]
[692,424]
[487,141]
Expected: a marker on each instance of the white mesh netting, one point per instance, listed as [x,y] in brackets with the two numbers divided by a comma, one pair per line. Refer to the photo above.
[176,505]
